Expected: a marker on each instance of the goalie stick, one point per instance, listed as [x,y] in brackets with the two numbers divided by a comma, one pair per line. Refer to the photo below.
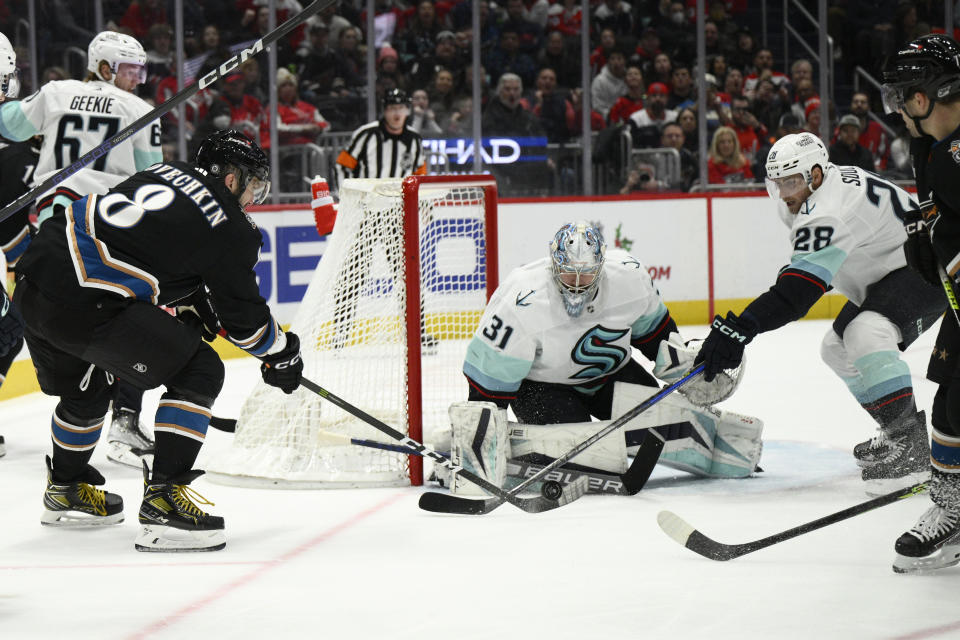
[626,484]
[685,534]
[448,503]
[182,96]
[530,505]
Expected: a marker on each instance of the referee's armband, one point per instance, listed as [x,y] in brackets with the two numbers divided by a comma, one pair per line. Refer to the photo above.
[348,161]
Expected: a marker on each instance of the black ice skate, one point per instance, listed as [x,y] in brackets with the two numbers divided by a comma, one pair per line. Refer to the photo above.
[898,460]
[79,503]
[934,542]
[128,442]
[171,521]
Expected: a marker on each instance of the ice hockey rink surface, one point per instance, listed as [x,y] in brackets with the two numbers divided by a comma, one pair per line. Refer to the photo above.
[369,564]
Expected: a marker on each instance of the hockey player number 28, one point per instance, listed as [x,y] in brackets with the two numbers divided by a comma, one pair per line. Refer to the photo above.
[118,210]
[491,332]
[821,238]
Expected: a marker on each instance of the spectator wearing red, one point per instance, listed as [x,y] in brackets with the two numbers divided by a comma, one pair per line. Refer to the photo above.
[750,133]
[647,123]
[565,17]
[609,84]
[763,68]
[598,59]
[726,163]
[298,122]
[811,114]
[142,14]
[872,136]
[804,91]
[632,100]
[247,114]
[647,49]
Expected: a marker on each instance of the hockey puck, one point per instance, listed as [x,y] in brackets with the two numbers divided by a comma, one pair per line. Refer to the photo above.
[551,490]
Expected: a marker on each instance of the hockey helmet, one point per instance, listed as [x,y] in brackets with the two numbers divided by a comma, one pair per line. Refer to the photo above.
[116,49]
[230,151]
[791,161]
[577,255]
[9,75]
[930,64]
[396,96]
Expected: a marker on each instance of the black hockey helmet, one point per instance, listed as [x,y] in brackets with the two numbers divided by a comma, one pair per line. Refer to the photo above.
[930,64]
[230,151]
[395,96]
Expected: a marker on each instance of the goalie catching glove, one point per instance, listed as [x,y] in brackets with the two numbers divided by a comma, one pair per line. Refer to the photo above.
[676,358]
[285,368]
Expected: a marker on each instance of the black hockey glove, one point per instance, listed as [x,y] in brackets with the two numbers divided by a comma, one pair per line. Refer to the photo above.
[284,370]
[11,325]
[197,310]
[919,251]
[723,348]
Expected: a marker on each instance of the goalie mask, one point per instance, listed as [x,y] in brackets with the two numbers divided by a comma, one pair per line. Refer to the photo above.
[577,253]
[790,166]
[123,53]
[9,75]
[230,151]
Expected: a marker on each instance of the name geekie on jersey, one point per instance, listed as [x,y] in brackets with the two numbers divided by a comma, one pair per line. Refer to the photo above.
[97,104]
[193,189]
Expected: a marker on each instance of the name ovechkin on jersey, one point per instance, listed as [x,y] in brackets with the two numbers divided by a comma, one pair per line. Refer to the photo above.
[193,189]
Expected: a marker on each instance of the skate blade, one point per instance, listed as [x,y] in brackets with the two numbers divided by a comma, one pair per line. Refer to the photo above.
[77,519]
[122,454]
[876,488]
[945,556]
[163,539]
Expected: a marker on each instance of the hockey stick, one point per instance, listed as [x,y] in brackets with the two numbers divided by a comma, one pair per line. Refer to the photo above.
[230,426]
[448,503]
[184,94]
[685,534]
[530,505]
[625,484]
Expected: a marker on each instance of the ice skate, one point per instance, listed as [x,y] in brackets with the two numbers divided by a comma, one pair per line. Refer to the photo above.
[80,503]
[128,443]
[170,521]
[934,542]
[3,447]
[896,460]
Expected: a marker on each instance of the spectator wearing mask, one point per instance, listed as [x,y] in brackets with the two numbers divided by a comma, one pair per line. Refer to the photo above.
[847,150]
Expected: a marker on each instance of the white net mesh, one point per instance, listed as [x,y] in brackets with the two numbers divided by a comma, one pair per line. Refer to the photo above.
[353,336]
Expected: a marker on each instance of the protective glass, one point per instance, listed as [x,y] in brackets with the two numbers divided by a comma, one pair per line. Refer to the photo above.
[893,98]
[260,190]
[131,71]
[785,187]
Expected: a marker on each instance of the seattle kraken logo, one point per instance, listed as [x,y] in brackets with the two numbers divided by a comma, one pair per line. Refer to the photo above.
[595,350]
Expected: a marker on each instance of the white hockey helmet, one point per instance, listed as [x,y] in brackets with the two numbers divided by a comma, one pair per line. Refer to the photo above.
[791,161]
[577,254]
[116,49]
[9,75]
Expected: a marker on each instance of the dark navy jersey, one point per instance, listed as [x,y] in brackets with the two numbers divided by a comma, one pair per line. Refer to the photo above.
[17,162]
[158,236]
[937,169]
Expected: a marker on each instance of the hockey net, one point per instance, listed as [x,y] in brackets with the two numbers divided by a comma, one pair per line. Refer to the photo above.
[384,325]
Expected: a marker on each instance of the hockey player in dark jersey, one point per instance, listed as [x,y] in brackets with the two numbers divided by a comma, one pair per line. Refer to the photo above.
[88,289]
[922,84]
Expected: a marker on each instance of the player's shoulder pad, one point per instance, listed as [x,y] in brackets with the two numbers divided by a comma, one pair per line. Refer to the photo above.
[525,286]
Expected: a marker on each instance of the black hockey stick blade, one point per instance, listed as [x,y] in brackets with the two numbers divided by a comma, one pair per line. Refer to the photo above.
[223,424]
[684,533]
[638,473]
[449,503]
[175,100]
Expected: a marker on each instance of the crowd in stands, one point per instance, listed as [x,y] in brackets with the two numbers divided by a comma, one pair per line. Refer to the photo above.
[642,84]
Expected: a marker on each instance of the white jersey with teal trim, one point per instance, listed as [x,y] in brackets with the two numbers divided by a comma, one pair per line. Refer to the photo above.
[74,117]
[849,233]
[526,332]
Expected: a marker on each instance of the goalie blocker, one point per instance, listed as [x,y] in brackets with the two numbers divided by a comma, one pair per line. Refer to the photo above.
[704,441]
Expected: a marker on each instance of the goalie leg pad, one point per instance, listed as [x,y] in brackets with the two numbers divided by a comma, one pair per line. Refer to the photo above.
[479,444]
[608,455]
[704,441]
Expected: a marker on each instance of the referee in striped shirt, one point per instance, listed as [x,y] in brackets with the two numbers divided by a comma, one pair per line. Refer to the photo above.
[384,148]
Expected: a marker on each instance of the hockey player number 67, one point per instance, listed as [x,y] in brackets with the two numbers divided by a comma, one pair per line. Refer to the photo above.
[118,210]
